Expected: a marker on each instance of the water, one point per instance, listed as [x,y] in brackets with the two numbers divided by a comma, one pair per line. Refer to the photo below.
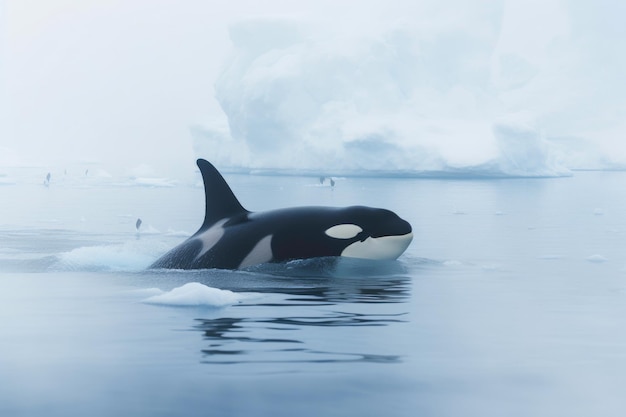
[510,301]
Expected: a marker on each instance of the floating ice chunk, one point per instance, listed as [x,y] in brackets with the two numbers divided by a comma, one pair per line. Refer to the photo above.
[196,294]
[598,212]
[597,259]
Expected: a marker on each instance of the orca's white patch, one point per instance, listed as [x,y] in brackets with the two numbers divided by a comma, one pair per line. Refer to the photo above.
[261,253]
[210,237]
[380,248]
[344,231]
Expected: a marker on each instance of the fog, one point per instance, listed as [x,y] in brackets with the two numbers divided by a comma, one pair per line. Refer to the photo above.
[490,88]
[509,300]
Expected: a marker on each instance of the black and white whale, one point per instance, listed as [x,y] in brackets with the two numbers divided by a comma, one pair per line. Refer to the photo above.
[232,237]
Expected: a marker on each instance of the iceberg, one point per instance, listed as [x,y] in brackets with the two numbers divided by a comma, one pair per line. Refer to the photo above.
[401,100]
[299,103]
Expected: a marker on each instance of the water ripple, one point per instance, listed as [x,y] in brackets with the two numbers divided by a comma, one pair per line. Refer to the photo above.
[262,340]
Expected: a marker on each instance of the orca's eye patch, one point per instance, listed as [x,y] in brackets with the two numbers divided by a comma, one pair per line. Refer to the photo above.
[344,231]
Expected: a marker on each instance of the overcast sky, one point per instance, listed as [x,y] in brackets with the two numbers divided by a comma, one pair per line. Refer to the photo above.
[93,80]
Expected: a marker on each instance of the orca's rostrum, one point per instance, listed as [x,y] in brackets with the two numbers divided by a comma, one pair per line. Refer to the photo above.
[232,237]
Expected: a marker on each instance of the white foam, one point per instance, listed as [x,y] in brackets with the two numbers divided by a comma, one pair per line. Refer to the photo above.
[129,256]
[196,294]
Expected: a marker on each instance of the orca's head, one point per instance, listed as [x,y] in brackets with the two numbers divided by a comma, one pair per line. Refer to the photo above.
[371,233]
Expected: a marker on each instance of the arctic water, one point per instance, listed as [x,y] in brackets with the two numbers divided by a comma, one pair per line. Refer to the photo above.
[510,301]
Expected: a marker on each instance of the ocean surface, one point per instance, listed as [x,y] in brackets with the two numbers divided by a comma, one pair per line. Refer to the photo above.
[511,301]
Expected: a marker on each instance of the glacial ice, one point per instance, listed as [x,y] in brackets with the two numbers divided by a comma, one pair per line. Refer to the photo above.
[393,101]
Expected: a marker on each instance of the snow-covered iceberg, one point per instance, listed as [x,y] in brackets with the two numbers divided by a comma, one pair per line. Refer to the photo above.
[371,104]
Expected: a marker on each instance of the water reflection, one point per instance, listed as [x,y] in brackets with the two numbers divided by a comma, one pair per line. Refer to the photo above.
[286,339]
[330,291]
[338,280]
[322,280]
[313,311]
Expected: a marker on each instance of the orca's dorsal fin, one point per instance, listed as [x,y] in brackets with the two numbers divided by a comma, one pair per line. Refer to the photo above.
[220,202]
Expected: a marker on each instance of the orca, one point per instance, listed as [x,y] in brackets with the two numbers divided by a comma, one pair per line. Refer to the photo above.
[232,237]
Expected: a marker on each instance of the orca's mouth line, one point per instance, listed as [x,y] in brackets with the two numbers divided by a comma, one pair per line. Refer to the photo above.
[379,248]
[391,235]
